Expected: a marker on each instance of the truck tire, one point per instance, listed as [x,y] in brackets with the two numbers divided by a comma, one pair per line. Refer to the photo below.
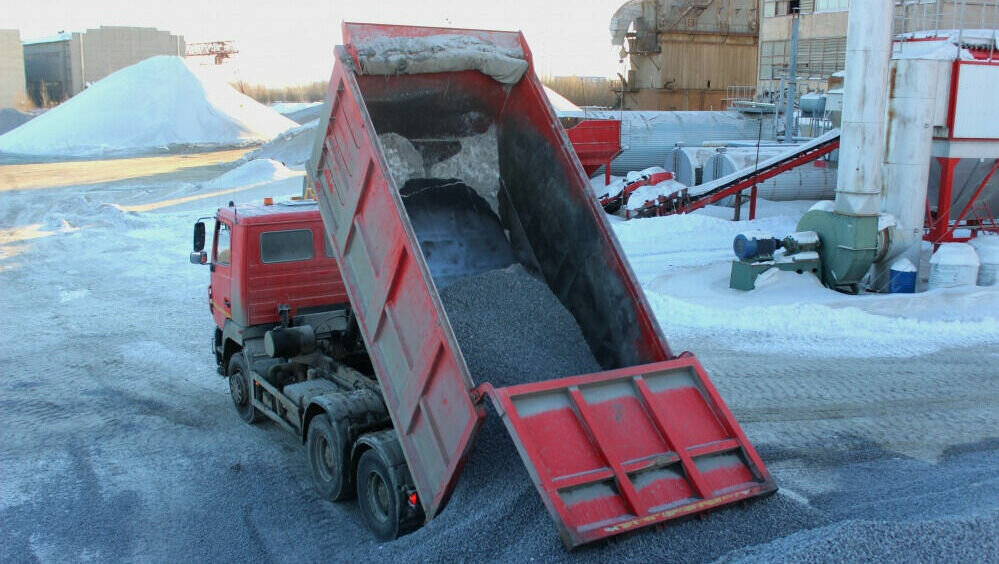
[381,498]
[328,448]
[241,389]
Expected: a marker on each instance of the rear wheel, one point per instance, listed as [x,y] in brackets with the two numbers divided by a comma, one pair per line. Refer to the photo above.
[241,389]
[328,451]
[381,498]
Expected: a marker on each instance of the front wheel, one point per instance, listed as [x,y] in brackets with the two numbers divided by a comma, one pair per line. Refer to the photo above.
[381,498]
[241,389]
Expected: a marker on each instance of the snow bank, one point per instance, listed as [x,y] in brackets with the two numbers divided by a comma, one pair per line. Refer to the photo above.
[259,171]
[156,103]
[292,147]
[12,119]
[285,108]
[559,102]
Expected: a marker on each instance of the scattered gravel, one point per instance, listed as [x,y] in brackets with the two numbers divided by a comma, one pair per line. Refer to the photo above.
[512,329]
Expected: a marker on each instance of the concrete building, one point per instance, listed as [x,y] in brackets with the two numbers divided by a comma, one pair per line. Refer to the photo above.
[63,65]
[12,88]
[685,54]
[822,34]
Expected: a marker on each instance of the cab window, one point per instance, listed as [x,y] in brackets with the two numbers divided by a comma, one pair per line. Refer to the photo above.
[223,243]
[286,246]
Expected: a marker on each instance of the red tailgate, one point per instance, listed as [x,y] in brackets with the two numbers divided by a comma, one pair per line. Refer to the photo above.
[619,450]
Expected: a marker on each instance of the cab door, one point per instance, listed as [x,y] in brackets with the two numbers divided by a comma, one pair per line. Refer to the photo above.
[221,288]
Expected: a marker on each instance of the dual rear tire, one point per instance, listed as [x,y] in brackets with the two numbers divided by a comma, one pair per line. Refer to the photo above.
[381,485]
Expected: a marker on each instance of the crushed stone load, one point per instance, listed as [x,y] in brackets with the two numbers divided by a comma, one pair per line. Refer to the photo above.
[512,329]
[158,103]
[440,53]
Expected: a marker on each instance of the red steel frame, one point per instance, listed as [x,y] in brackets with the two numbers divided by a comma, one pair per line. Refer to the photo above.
[941,229]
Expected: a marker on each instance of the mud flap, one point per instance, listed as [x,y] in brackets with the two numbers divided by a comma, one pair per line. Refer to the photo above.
[615,451]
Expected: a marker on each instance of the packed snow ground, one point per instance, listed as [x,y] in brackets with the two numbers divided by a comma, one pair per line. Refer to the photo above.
[155,104]
[878,416]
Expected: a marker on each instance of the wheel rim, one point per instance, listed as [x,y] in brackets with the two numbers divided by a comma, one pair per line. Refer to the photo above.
[378,496]
[237,387]
[325,459]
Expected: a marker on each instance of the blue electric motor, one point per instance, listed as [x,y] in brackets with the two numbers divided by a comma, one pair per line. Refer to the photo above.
[755,246]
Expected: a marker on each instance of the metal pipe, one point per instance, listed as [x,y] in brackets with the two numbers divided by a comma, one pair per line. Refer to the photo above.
[868,51]
[908,150]
[792,81]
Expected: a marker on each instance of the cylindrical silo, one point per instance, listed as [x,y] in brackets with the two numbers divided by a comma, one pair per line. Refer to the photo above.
[647,137]
[810,181]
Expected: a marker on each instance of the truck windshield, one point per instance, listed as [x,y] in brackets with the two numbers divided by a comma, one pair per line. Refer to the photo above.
[286,246]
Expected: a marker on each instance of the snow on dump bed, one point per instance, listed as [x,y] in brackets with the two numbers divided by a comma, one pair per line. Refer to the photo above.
[156,103]
[440,53]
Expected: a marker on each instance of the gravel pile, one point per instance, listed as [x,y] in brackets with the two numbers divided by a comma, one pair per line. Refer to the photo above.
[512,329]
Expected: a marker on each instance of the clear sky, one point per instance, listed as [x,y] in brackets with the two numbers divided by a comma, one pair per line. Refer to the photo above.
[291,42]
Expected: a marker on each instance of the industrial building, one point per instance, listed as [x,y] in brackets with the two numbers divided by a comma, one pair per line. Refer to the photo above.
[12,88]
[822,34]
[685,54]
[61,66]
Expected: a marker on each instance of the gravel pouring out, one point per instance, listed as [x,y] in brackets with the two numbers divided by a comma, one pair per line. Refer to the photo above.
[513,330]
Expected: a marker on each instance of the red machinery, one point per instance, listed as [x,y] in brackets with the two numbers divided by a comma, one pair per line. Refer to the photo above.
[597,142]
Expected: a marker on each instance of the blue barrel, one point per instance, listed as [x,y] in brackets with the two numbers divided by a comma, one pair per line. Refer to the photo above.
[902,281]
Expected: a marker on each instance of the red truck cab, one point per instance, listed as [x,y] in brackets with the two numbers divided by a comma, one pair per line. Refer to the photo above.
[282,249]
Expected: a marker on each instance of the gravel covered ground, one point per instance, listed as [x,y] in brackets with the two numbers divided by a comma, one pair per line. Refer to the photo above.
[120,443]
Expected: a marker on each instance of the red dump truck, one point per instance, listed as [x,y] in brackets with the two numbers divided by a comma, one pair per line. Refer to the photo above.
[335,328]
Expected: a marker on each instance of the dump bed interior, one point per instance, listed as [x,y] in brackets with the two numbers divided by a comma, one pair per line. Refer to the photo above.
[558,232]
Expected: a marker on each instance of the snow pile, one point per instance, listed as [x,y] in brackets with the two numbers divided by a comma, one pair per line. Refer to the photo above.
[301,112]
[255,173]
[285,108]
[603,191]
[647,193]
[12,119]
[153,104]
[292,147]
[441,53]
[559,102]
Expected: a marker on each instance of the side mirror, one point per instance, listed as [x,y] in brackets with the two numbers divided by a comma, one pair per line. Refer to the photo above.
[199,257]
[199,237]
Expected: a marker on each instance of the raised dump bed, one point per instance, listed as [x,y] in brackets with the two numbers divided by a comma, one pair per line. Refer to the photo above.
[646,439]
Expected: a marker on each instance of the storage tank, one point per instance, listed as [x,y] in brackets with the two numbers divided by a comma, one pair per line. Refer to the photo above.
[687,163]
[953,264]
[810,181]
[987,248]
[647,137]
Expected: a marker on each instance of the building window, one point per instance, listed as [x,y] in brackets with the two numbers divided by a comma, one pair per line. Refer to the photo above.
[832,5]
